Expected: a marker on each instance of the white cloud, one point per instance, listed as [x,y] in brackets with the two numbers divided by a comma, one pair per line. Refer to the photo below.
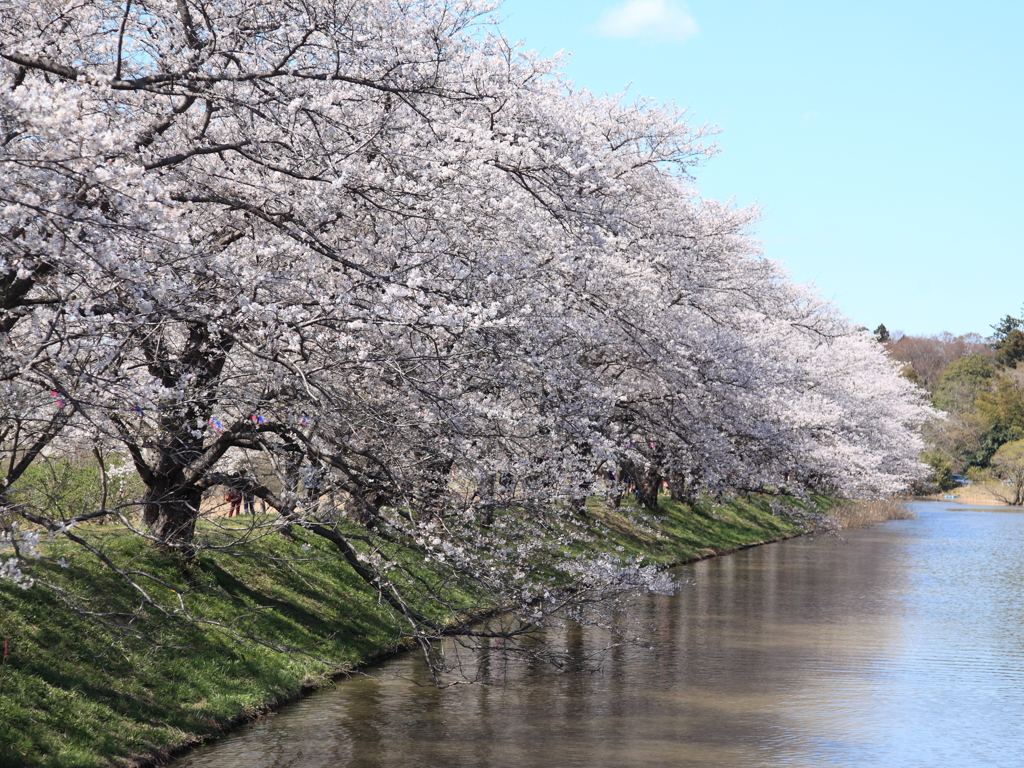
[654,21]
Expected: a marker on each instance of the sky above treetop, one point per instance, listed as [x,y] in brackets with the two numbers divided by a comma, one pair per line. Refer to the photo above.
[880,139]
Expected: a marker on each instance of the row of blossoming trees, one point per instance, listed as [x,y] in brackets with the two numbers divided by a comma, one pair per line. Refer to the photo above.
[404,267]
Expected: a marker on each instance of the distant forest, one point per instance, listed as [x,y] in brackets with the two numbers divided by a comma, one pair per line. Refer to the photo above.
[978,382]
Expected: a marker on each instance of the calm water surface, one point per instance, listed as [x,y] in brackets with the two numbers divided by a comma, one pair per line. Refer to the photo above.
[902,645]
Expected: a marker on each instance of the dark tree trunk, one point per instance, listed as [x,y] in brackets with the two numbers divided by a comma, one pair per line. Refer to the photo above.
[170,511]
[680,490]
[647,490]
[171,504]
[172,465]
[646,482]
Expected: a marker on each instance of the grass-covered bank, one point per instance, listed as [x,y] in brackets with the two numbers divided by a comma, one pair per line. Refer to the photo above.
[76,693]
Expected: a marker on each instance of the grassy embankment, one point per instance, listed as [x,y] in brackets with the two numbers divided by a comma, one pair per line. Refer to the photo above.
[72,693]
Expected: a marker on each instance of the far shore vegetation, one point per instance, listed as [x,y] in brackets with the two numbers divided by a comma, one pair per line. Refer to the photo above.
[976,450]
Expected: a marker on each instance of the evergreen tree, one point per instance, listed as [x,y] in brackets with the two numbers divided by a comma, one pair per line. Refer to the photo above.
[1008,341]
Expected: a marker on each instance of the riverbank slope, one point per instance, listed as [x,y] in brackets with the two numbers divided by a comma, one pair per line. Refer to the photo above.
[263,625]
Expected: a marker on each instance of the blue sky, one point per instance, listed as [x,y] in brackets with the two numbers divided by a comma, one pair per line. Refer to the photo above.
[883,140]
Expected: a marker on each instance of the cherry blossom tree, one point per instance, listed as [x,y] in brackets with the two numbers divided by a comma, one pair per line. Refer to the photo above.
[425,293]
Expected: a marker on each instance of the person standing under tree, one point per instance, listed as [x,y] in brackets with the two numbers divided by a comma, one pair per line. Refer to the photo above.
[234,499]
[245,488]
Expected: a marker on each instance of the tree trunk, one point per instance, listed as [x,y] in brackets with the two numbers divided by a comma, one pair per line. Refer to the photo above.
[647,484]
[680,490]
[170,511]
[171,504]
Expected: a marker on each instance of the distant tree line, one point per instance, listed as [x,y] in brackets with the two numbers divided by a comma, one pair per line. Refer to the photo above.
[978,382]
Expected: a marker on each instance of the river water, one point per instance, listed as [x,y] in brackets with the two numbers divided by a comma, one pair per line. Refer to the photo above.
[901,645]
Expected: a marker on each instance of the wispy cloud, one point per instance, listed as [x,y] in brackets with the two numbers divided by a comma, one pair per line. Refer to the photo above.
[654,21]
